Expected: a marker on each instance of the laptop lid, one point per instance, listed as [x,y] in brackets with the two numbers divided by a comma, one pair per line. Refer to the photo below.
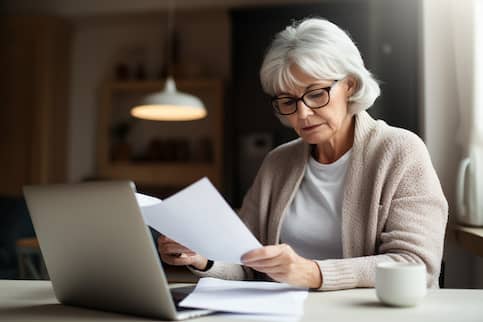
[98,251]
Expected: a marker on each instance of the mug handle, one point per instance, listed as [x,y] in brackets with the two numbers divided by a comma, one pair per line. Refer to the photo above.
[460,187]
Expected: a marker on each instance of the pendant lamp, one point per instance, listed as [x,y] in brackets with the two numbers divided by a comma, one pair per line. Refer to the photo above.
[170,104]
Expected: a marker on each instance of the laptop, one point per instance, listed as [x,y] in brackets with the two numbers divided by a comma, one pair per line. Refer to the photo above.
[98,251]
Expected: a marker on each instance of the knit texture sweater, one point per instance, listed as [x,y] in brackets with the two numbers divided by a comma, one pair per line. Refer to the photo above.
[393,206]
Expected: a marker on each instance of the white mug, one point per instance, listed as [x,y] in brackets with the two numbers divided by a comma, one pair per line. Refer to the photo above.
[400,284]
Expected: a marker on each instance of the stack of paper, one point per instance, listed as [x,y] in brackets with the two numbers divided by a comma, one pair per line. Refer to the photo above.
[258,300]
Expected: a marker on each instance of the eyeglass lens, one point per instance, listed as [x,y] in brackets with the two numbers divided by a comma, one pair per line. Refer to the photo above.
[313,99]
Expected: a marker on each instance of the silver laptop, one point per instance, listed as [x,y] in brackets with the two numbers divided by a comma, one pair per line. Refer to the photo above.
[98,251]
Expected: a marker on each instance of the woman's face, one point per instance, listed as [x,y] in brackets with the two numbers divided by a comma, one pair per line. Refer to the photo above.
[316,126]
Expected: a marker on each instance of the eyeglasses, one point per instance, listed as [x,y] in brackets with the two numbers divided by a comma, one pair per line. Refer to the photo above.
[313,99]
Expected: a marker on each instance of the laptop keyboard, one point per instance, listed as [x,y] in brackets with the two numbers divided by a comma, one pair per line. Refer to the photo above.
[178,294]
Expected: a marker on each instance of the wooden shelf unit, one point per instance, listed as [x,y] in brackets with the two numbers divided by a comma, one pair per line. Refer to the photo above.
[162,173]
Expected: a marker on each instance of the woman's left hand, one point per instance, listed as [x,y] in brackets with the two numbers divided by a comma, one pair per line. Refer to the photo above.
[283,264]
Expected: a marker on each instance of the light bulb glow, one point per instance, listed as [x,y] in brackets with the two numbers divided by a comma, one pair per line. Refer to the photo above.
[168,112]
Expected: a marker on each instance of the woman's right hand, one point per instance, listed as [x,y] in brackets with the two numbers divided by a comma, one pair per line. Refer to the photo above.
[176,254]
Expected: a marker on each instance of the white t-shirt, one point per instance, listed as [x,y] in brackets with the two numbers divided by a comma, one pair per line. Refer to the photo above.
[312,224]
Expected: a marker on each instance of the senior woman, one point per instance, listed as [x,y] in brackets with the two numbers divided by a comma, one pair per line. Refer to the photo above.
[351,192]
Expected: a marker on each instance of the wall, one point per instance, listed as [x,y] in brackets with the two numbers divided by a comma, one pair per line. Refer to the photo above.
[101,42]
[95,7]
[440,126]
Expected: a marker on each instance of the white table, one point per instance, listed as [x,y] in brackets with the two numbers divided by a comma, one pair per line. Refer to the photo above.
[35,301]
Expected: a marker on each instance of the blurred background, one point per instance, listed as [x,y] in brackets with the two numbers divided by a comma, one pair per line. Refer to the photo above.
[71,71]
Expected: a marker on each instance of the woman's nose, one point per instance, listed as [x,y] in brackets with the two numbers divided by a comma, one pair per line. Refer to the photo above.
[303,111]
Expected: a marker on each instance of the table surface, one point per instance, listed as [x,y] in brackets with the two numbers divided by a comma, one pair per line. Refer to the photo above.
[35,301]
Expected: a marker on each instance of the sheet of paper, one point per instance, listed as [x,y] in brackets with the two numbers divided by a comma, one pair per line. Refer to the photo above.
[261,317]
[145,201]
[268,298]
[199,218]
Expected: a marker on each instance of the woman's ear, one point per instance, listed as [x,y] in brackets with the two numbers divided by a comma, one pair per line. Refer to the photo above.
[352,85]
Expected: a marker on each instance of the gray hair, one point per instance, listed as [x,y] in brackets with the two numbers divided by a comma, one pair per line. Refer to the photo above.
[322,50]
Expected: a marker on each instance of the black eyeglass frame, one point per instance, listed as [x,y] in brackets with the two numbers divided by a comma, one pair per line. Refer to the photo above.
[301,98]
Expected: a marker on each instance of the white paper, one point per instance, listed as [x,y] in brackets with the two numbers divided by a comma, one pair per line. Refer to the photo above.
[261,317]
[267,298]
[199,218]
[146,201]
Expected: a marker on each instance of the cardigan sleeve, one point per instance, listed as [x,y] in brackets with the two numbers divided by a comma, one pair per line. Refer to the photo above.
[414,228]
[227,271]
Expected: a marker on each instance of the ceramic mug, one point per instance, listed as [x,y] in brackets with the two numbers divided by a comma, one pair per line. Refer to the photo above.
[400,284]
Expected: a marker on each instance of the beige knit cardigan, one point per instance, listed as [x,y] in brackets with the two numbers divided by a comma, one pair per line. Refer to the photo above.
[393,207]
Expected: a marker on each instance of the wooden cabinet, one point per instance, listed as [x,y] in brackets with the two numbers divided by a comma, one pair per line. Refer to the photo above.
[159,154]
[34,65]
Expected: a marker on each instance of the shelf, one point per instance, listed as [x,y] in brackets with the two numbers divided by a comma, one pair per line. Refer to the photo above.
[470,238]
[165,173]
[118,97]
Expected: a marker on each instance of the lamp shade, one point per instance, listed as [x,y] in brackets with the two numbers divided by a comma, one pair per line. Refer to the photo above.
[170,105]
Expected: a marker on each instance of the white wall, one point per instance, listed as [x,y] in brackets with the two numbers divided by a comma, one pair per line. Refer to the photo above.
[441,119]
